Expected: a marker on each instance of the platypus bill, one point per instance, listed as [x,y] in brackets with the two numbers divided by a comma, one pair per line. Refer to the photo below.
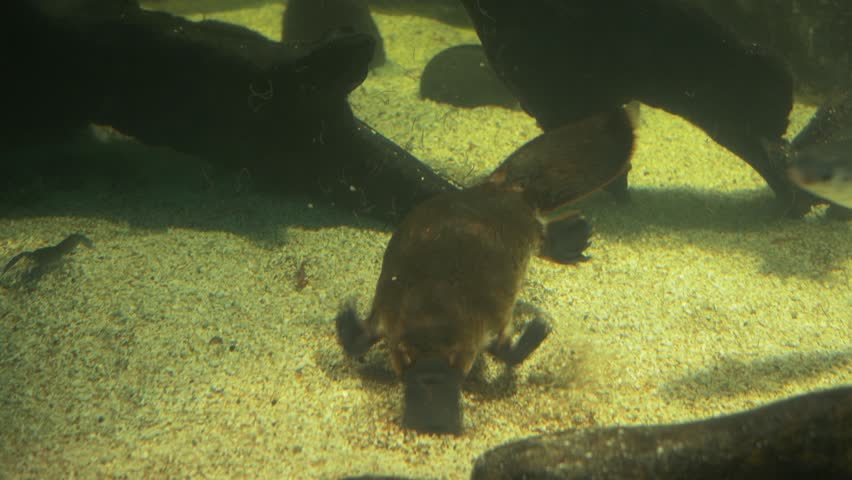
[452,271]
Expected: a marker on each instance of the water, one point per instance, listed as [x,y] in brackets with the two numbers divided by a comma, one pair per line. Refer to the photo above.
[187,343]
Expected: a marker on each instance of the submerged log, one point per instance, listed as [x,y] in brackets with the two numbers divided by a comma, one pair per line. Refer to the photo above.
[809,436]
[567,59]
[211,89]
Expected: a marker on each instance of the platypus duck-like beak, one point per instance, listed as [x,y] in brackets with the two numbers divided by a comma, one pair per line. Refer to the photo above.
[433,397]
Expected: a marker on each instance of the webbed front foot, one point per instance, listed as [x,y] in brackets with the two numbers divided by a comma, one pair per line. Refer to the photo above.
[515,353]
[353,337]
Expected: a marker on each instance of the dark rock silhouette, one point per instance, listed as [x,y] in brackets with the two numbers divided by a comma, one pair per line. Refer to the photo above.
[461,76]
[211,89]
[565,60]
[312,20]
[809,436]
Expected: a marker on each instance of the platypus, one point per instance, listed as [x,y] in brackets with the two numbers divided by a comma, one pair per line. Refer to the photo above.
[453,269]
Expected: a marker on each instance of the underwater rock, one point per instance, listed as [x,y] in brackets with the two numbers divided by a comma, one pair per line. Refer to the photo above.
[219,91]
[452,270]
[808,436]
[813,38]
[461,76]
[311,20]
[567,59]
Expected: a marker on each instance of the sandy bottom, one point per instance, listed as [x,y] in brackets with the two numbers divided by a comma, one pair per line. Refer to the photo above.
[181,346]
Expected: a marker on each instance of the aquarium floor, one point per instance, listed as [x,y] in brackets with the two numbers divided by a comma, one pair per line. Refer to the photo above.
[187,343]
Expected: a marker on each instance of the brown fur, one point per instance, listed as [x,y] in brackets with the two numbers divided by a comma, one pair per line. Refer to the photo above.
[451,275]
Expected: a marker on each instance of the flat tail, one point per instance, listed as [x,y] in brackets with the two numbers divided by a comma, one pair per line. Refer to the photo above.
[567,163]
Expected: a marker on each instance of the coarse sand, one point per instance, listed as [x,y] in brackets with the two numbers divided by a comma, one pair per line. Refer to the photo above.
[182,346]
